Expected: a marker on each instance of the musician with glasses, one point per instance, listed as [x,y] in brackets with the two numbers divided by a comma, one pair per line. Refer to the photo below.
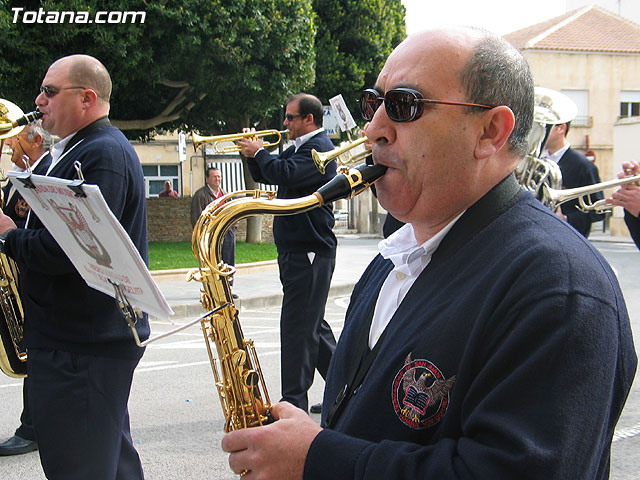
[306,246]
[628,197]
[488,339]
[81,354]
[30,151]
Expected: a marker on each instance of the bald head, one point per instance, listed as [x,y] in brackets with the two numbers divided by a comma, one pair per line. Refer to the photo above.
[88,72]
[77,94]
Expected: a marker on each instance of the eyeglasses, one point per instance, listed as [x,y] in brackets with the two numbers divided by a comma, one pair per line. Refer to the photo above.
[288,117]
[401,104]
[52,91]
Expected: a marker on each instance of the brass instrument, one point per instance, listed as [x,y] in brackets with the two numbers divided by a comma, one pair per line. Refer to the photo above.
[238,377]
[218,140]
[13,355]
[342,155]
[551,108]
[12,120]
[556,197]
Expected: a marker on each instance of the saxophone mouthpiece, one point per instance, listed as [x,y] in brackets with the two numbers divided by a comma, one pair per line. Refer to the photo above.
[350,183]
[28,118]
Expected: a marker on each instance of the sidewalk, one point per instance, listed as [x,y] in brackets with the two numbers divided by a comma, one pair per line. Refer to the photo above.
[258,285]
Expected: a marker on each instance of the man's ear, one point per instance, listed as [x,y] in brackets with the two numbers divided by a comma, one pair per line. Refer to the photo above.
[37,141]
[497,124]
[89,98]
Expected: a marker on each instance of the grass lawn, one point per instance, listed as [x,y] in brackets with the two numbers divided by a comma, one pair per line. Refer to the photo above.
[170,255]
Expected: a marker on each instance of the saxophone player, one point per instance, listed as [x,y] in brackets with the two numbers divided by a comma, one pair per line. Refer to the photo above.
[81,356]
[30,151]
[488,339]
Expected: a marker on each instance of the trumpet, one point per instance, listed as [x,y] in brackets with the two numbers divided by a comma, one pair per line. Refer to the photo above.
[343,155]
[556,197]
[218,140]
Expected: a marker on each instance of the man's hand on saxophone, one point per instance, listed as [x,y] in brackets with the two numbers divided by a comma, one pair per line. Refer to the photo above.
[275,451]
[6,224]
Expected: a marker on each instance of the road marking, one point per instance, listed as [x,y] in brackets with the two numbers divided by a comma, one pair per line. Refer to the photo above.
[626,433]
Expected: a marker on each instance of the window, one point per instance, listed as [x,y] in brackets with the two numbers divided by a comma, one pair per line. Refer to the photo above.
[156,175]
[581,99]
[629,103]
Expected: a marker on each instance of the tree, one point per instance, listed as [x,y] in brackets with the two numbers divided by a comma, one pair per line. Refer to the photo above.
[205,65]
[354,39]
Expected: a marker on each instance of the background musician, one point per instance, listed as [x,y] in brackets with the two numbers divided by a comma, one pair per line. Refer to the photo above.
[628,197]
[81,354]
[488,339]
[30,151]
[306,246]
[577,171]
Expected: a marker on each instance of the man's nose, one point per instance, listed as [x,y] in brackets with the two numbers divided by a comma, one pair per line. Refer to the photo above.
[41,99]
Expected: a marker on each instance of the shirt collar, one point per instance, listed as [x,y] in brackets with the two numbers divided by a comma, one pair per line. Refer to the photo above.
[403,250]
[298,142]
[59,146]
[555,157]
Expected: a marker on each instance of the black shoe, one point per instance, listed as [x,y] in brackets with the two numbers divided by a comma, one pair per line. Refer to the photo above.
[317,408]
[17,445]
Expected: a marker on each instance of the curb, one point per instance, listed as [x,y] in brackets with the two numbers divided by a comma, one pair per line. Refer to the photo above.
[194,309]
[180,274]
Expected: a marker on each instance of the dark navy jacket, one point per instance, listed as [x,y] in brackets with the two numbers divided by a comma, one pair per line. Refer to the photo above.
[63,312]
[15,207]
[578,171]
[633,224]
[296,176]
[510,358]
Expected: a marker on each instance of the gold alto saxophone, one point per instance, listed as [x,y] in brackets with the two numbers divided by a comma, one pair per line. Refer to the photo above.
[239,379]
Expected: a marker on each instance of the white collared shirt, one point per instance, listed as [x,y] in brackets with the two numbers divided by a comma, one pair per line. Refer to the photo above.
[555,157]
[298,142]
[409,260]
[58,149]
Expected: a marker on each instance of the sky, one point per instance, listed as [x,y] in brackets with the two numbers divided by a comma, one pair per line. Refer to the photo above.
[498,16]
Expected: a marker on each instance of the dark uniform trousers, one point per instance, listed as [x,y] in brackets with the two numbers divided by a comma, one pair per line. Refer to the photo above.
[306,339]
[87,422]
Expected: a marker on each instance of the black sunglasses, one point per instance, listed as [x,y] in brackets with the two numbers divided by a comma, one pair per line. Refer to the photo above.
[52,91]
[401,104]
[290,117]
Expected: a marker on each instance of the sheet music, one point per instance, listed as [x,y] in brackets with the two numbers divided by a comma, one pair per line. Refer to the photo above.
[93,239]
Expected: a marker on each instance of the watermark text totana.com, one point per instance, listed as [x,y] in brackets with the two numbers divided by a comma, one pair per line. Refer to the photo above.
[54,16]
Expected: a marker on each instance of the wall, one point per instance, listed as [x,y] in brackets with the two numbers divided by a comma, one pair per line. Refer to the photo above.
[603,75]
[625,134]
[168,220]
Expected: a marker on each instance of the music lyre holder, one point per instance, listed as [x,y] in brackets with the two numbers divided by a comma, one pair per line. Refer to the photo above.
[132,314]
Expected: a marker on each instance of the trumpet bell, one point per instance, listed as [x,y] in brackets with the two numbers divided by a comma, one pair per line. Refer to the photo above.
[346,155]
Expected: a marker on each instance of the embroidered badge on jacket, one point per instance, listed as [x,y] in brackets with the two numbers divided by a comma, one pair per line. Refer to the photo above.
[21,208]
[420,393]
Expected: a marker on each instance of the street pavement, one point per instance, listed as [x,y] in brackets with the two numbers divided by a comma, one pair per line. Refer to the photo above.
[258,285]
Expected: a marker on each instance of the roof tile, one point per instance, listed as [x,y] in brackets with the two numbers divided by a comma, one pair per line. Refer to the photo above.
[588,29]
